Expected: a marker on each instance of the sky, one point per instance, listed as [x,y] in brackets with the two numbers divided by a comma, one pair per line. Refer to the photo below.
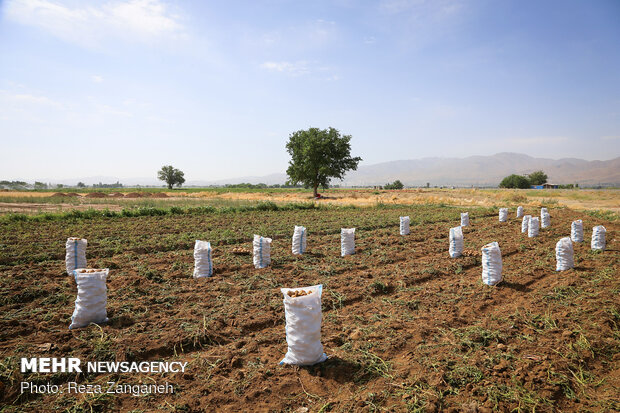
[215,88]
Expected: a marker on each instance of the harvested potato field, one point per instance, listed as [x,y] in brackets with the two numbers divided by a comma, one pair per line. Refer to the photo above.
[405,327]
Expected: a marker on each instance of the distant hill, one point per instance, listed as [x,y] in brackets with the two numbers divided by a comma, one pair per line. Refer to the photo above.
[473,170]
[485,170]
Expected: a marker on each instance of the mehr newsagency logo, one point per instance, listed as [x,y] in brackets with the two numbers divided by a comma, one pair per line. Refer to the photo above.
[75,365]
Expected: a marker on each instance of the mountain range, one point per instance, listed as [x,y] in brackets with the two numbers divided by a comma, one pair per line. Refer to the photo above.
[472,170]
[486,170]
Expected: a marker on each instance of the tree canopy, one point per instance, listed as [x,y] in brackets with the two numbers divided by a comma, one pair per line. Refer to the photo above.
[317,155]
[537,178]
[171,176]
[515,181]
[394,185]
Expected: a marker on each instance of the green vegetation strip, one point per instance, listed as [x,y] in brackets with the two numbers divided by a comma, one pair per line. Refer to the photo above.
[175,210]
[200,210]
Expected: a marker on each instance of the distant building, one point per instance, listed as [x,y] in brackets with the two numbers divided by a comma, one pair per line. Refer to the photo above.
[545,186]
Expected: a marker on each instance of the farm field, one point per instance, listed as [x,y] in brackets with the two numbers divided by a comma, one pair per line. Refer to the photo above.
[406,328]
[36,202]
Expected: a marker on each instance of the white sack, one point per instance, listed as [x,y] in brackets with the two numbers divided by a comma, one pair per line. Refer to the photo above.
[598,238]
[76,254]
[491,264]
[564,254]
[533,227]
[464,219]
[92,297]
[404,225]
[503,214]
[456,242]
[525,224]
[303,327]
[203,265]
[543,212]
[347,241]
[576,231]
[299,240]
[262,251]
[545,220]
[519,212]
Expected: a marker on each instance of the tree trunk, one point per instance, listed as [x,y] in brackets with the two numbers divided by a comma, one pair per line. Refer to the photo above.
[315,188]
[170,186]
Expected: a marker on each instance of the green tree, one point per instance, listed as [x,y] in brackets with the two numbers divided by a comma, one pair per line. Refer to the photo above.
[317,155]
[515,181]
[171,176]
[81,185]
[538,178]
[394,185]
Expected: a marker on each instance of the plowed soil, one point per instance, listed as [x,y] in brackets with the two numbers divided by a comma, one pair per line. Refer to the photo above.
[406,328]
[95,195]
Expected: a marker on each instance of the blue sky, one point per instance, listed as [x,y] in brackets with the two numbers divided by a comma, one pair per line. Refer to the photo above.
[120,88]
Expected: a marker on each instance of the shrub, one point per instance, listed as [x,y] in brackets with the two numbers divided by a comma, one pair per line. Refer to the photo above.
[394,185]
[515,181]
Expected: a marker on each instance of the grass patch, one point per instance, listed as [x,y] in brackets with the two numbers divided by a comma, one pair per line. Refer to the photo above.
[152,211]
[473,337]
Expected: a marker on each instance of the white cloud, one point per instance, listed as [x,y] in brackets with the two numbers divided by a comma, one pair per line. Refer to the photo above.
[28,108]
[322,31]
[301,68]
[110,110]
[398,6]
[28,99]
[421,23]
[271,38]
[291,68]
[420,6]
[302,37]
[89,24]
[96,78]
[144,16]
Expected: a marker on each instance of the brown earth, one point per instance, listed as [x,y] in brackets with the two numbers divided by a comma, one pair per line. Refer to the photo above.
[406,328]
[37,208]
[95,195]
